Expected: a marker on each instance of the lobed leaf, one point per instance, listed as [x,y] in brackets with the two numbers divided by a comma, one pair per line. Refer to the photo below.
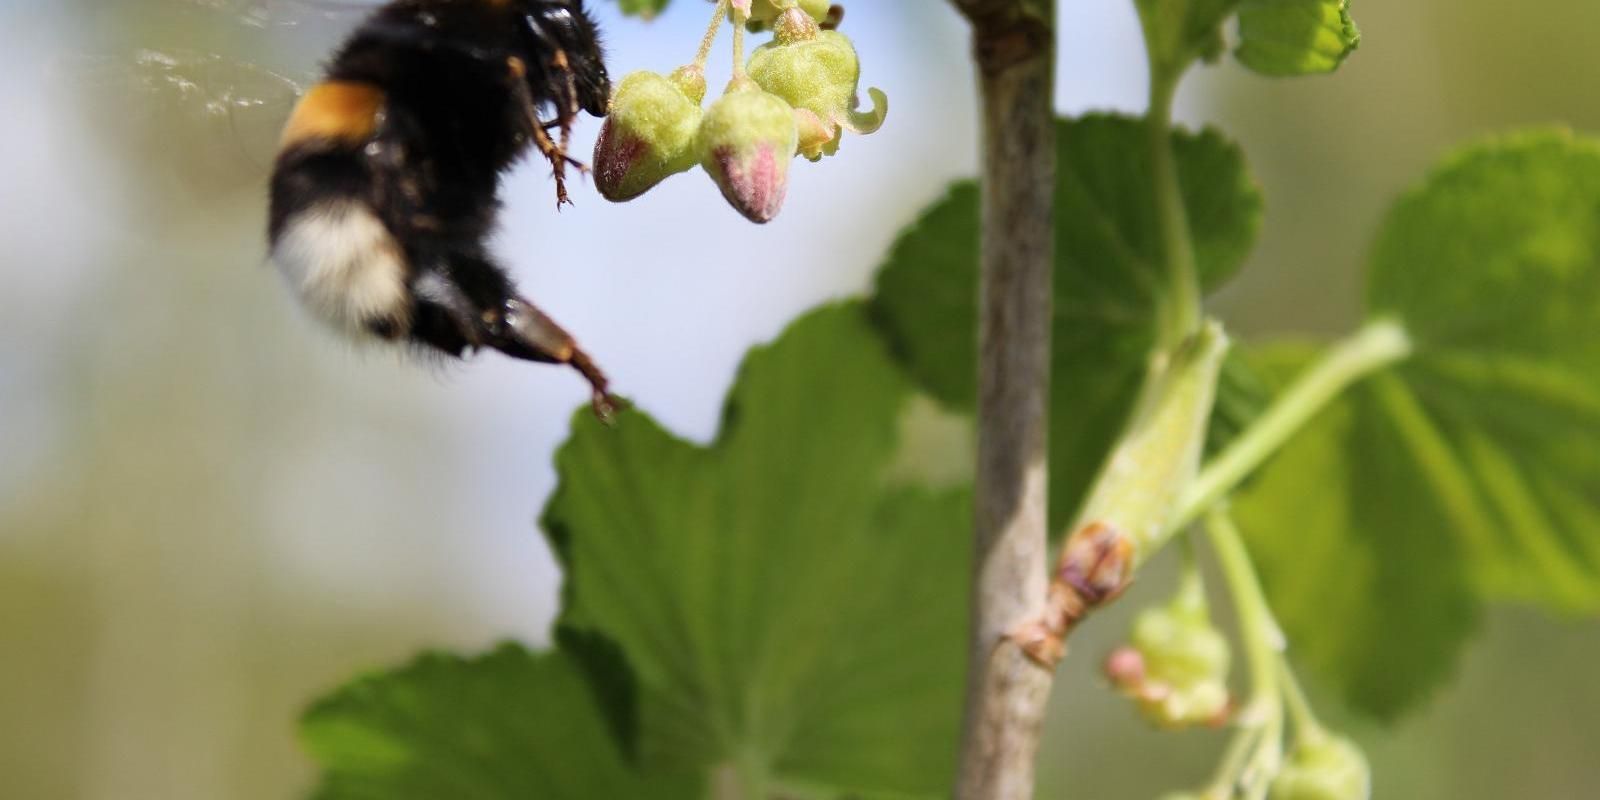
[1471,471]
[1494,265]
[506,725]
[791,616]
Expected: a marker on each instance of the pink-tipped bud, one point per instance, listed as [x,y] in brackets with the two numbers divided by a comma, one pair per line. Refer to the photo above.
[650,133]
[748,138]
[1125,667]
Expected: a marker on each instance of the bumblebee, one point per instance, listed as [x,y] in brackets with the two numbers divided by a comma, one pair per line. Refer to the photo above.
[384,190]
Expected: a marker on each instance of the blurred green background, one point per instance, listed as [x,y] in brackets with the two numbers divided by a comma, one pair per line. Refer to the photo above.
[211,511]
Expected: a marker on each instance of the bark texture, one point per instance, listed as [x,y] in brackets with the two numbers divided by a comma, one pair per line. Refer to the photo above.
[1007,691]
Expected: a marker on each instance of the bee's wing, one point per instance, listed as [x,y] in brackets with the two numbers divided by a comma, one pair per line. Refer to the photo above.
[281,13]
[212,117]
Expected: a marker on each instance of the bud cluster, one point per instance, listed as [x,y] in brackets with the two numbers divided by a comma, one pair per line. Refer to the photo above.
[795,97]
[1176,667]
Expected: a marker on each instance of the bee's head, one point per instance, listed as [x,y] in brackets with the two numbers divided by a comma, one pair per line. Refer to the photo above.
[566,27]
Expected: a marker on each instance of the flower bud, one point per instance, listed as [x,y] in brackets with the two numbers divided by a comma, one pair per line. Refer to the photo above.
[1332,768]
[1125,667]
[650,133]
[748,138]
[817,71]
[1180,648]
[1176,668]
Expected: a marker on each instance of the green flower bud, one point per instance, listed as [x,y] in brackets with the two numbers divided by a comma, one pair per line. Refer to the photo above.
[691,80]
[793,26]
[1176,668]
[748,138]
[650,133]
[817,71]
[1330,769]
[1180,649]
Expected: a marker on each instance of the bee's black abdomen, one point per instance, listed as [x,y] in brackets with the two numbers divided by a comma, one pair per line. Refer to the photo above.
[306,176]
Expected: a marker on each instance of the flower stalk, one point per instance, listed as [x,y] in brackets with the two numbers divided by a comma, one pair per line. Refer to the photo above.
[710,39]
[1377,345]
[1179,313]
[1256,752]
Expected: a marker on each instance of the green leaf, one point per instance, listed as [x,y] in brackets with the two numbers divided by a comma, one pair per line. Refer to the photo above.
[506,725]
[642,8]
[1373,595]
[926,297]
[1494,266]
[1472,470]
[1108,270]
[1177,32]
[797,622]
[1295,37]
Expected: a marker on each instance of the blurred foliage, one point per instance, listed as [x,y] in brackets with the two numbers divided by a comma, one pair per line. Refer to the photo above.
[1469,467]
[1367,583]
[643,8]
[1108,274]
[1295,37]
[1179,32]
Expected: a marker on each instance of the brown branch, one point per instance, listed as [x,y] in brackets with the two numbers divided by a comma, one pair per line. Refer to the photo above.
[1006,690]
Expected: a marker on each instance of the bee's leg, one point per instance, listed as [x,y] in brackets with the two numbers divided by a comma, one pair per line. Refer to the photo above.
[558,161]
[523,331]
[465,301]
[536,129]
[570,110]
